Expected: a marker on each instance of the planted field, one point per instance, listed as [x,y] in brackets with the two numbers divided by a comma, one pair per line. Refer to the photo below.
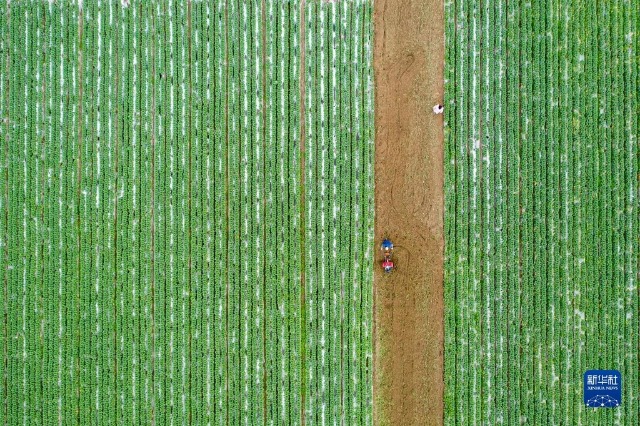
[186,212]
[541,199]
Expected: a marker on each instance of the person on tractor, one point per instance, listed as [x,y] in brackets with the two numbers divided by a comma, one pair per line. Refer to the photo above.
[387,264]
[386,246]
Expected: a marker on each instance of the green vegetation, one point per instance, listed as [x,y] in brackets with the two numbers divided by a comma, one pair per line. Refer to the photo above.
[541,224]
[186,212]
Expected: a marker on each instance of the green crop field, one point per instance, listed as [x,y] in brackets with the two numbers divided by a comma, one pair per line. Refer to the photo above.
[186,212]
[542,212]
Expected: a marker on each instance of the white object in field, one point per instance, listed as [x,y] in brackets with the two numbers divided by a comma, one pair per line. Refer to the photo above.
[438,109]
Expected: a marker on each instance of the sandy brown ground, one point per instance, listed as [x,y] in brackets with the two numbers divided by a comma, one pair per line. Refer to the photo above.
[408,311]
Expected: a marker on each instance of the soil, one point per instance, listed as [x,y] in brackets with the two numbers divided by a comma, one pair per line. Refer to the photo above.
[408,303]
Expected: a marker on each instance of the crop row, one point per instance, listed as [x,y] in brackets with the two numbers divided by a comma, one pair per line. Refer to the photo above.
[541,193]
[338,143]
[186,212]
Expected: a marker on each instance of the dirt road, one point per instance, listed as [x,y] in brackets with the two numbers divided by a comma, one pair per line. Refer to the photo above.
[408,62]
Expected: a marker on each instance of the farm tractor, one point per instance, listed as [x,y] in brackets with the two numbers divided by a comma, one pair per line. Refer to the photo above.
[387,251]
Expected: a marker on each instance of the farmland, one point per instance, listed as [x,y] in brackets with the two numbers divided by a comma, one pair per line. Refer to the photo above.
[541,202]
[186,212]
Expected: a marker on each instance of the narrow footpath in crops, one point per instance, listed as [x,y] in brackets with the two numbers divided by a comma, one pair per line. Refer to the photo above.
[408,310]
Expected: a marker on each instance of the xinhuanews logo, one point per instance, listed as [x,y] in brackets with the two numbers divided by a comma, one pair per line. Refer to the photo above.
[602,388]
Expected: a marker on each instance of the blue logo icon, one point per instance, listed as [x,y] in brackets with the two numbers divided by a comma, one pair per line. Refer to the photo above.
[602,388]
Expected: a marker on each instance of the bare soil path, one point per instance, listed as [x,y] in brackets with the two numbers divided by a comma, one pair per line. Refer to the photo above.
[408,311]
